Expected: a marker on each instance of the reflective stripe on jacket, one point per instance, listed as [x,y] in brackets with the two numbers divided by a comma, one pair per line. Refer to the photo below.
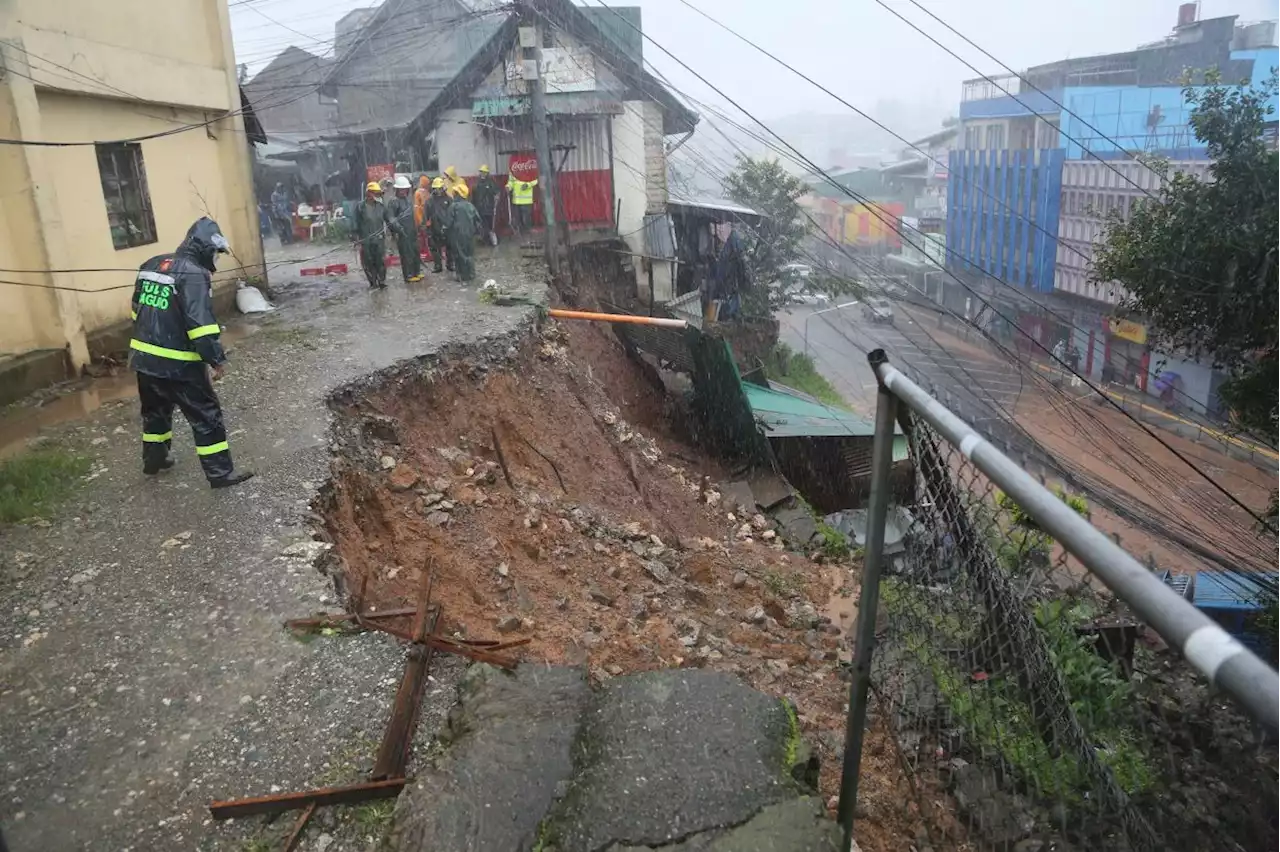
[174,328]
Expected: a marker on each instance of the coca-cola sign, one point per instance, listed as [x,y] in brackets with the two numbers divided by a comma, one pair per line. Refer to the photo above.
[523,166]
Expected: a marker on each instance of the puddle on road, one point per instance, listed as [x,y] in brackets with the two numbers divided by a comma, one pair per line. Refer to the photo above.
[24,422]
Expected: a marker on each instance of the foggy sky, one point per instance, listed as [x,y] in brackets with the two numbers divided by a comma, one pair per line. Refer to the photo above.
[854,47]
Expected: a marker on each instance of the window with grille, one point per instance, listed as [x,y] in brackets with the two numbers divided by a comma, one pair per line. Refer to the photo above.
[124,188]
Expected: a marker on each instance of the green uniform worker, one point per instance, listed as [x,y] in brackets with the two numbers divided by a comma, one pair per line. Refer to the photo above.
[464,222]
[485,199]
[438,230]
[371,229]
[402,224]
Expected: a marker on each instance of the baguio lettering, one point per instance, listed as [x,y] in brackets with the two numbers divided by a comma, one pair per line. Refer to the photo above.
[155,295]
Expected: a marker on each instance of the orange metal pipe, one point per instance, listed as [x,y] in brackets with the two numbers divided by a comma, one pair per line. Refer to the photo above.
[664,322]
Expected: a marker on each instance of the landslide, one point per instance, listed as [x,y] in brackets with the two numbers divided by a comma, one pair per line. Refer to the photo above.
[542,488]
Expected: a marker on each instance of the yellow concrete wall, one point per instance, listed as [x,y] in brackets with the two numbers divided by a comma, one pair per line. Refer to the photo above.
[181,170]
[29,317]
[132,68]
[168,33]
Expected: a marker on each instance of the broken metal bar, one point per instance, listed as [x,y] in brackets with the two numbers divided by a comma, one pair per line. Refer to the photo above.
[503,646]
[441,643]
[453,646]
[292,840]
[393,753]
[502,459]
[390,762]
[350,795]
[335,619]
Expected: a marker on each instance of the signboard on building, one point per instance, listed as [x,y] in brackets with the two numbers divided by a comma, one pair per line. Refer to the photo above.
[568,70]
[1126,330]
[523,166]
[380,172]
[495,107]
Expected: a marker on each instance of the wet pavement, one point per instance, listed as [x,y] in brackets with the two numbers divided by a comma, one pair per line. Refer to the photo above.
[143,668]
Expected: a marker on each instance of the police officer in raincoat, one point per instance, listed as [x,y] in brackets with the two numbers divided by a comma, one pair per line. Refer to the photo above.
[400,217]
[464,222]
[176,353]
[438,233]
[371,229]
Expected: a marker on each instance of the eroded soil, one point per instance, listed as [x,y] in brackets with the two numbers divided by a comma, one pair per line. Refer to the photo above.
[539,507]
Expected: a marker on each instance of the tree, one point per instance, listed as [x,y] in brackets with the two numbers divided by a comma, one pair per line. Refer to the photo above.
[1199,260]
[766,187]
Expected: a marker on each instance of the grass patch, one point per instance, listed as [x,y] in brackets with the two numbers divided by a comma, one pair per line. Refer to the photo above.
[375,817]
[781,585]
[35,482]
[797,370]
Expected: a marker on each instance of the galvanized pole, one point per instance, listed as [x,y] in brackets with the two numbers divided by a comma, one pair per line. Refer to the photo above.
[1205,645]
[868,601]
[816,313]
[541,142]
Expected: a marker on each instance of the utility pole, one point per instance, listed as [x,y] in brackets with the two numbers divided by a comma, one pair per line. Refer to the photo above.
[531,43]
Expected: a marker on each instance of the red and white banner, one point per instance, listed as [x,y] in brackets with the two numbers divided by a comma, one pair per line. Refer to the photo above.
[381,172]
[523,166]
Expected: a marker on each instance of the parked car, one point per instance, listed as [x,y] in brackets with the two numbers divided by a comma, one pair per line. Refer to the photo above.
[878,311]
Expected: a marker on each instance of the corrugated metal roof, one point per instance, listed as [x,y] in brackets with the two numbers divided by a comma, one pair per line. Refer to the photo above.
[708,203]
[784,412]
[791,415]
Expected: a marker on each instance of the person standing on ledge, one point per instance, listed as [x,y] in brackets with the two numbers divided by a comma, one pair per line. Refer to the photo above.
[177,354]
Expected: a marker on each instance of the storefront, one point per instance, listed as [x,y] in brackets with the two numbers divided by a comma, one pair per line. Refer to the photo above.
[1126,353]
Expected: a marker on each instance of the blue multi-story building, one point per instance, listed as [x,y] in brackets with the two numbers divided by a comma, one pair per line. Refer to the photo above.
[1044,155]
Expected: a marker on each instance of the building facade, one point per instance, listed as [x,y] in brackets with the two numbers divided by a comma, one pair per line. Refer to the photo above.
[110,72]
[1045,156]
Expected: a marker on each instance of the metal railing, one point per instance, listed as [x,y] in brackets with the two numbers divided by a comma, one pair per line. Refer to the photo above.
[1004,642]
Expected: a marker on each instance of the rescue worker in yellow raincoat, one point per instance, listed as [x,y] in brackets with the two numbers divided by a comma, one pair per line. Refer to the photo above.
[452,182]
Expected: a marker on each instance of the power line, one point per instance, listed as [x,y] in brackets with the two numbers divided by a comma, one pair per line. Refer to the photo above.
[975,185]
[874,208]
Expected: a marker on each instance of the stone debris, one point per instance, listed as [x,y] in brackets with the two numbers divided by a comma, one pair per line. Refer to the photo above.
[508,623]
[595,593]
[657,571]
[387,462]
[308,551]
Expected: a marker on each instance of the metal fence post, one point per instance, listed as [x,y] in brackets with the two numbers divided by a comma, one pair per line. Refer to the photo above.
[868,601]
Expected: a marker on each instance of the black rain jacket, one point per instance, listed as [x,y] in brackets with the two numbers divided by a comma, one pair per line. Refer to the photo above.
[175,333]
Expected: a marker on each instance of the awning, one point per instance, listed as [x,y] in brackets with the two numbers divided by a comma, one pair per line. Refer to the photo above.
[718,208]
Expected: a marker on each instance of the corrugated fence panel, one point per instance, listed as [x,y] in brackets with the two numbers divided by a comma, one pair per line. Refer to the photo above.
[586,175]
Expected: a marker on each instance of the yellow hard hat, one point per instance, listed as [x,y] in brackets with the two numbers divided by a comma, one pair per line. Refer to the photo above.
[438,183]
[451,172]
[484,169]
[462,189]
[373,186]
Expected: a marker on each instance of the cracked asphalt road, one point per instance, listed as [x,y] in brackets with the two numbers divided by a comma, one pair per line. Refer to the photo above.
[143,667]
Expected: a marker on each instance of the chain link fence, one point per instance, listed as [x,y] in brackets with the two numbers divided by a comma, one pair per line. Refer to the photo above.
[1035,708]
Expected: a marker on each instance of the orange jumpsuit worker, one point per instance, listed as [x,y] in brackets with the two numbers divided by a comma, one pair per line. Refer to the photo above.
[420,198]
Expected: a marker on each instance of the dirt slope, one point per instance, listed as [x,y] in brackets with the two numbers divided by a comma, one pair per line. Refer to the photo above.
[606,548]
